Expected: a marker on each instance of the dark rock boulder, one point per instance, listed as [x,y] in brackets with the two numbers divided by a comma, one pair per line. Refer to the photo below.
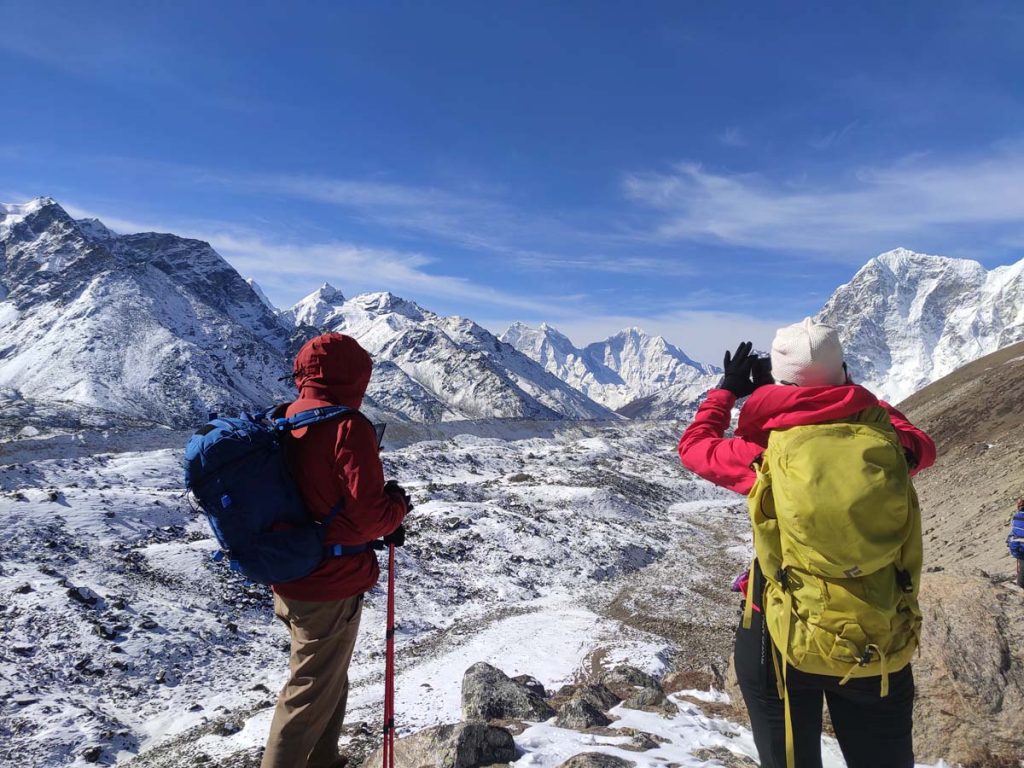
[490,694]
[596,760]
[625,680]
[459,745]
[580,713]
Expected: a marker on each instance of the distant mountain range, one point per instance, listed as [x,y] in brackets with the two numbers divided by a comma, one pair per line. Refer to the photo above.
[160,327]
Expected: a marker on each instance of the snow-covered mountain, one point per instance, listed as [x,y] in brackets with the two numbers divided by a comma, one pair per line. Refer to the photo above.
[908,319]
[434,368]
[146,325]
[623,368]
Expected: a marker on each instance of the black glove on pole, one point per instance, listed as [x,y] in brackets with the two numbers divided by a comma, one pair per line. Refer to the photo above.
[737,367]
[396,537]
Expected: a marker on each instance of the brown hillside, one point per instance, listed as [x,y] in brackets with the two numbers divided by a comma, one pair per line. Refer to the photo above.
[976,417]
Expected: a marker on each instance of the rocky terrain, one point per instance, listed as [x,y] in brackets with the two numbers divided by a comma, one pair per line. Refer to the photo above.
[976,417]
[125,638]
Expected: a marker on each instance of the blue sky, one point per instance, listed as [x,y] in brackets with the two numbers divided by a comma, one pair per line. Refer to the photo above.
[705,170]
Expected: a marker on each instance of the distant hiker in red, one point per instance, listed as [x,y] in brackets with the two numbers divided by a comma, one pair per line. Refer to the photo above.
[832,610]
[332,462]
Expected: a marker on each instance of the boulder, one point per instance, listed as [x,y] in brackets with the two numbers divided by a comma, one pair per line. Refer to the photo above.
[969,674]
[725,757]
[650,700]
[458,745]
[624,681]
[490,694]
[596,760]
[581,712]
[533,684]
[599,695]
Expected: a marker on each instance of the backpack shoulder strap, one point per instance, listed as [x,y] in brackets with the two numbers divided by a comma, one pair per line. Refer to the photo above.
[314,416]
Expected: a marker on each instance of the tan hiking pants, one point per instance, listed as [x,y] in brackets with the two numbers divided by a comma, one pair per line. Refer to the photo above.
[311,707]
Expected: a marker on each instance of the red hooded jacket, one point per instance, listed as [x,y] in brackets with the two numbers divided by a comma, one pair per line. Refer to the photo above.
[704,450]
[339,460]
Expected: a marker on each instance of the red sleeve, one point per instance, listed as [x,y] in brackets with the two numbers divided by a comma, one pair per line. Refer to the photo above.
[912,439]
[704,451]
[369,513]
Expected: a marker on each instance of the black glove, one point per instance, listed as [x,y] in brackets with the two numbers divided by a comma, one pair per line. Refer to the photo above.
[738,370]
[392,488]
[396,537]
[761,372]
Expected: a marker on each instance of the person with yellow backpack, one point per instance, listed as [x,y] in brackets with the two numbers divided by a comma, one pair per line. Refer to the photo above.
[830,610]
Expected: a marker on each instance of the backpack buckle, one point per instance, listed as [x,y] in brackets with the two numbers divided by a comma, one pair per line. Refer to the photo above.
[783,578]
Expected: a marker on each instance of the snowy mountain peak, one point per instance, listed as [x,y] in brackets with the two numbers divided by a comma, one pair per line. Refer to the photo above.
[147,325]
[907,319]
[385,302]
[627,366]
[317,310]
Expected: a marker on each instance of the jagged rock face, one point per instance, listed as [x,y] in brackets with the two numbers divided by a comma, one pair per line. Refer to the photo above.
[490,694]
[623,368]
[462,745]
[444,368]
[907,319]
[149,325]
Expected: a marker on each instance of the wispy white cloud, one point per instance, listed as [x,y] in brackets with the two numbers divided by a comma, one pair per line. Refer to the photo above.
[829,139]
[288,270]
[889,204]
[733,137]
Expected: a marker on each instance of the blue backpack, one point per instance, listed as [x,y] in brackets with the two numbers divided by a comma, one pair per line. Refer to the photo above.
[1015,541]
[236,470]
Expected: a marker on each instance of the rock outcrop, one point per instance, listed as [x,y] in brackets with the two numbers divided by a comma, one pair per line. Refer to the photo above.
[490,694]
[459,745]
[596,760]
[969,707]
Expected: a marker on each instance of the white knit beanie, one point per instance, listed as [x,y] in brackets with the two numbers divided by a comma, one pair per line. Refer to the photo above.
[808,354]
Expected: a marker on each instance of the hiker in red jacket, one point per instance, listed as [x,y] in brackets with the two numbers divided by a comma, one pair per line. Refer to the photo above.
[332,462]
[810,386]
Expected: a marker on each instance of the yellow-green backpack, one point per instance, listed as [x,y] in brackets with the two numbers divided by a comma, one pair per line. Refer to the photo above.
[837,533]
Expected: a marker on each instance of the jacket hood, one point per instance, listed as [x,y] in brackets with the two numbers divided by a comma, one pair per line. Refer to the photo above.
[332,369]
[775,406]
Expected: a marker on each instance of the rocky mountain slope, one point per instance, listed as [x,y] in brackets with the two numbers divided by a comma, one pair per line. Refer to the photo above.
[149,326]
[442,368]
[908,319]
[622,368]
[976,417]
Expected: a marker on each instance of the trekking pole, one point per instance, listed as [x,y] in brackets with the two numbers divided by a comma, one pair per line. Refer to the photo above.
[389,668]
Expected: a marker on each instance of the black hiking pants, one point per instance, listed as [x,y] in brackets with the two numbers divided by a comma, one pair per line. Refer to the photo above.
[873,732]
